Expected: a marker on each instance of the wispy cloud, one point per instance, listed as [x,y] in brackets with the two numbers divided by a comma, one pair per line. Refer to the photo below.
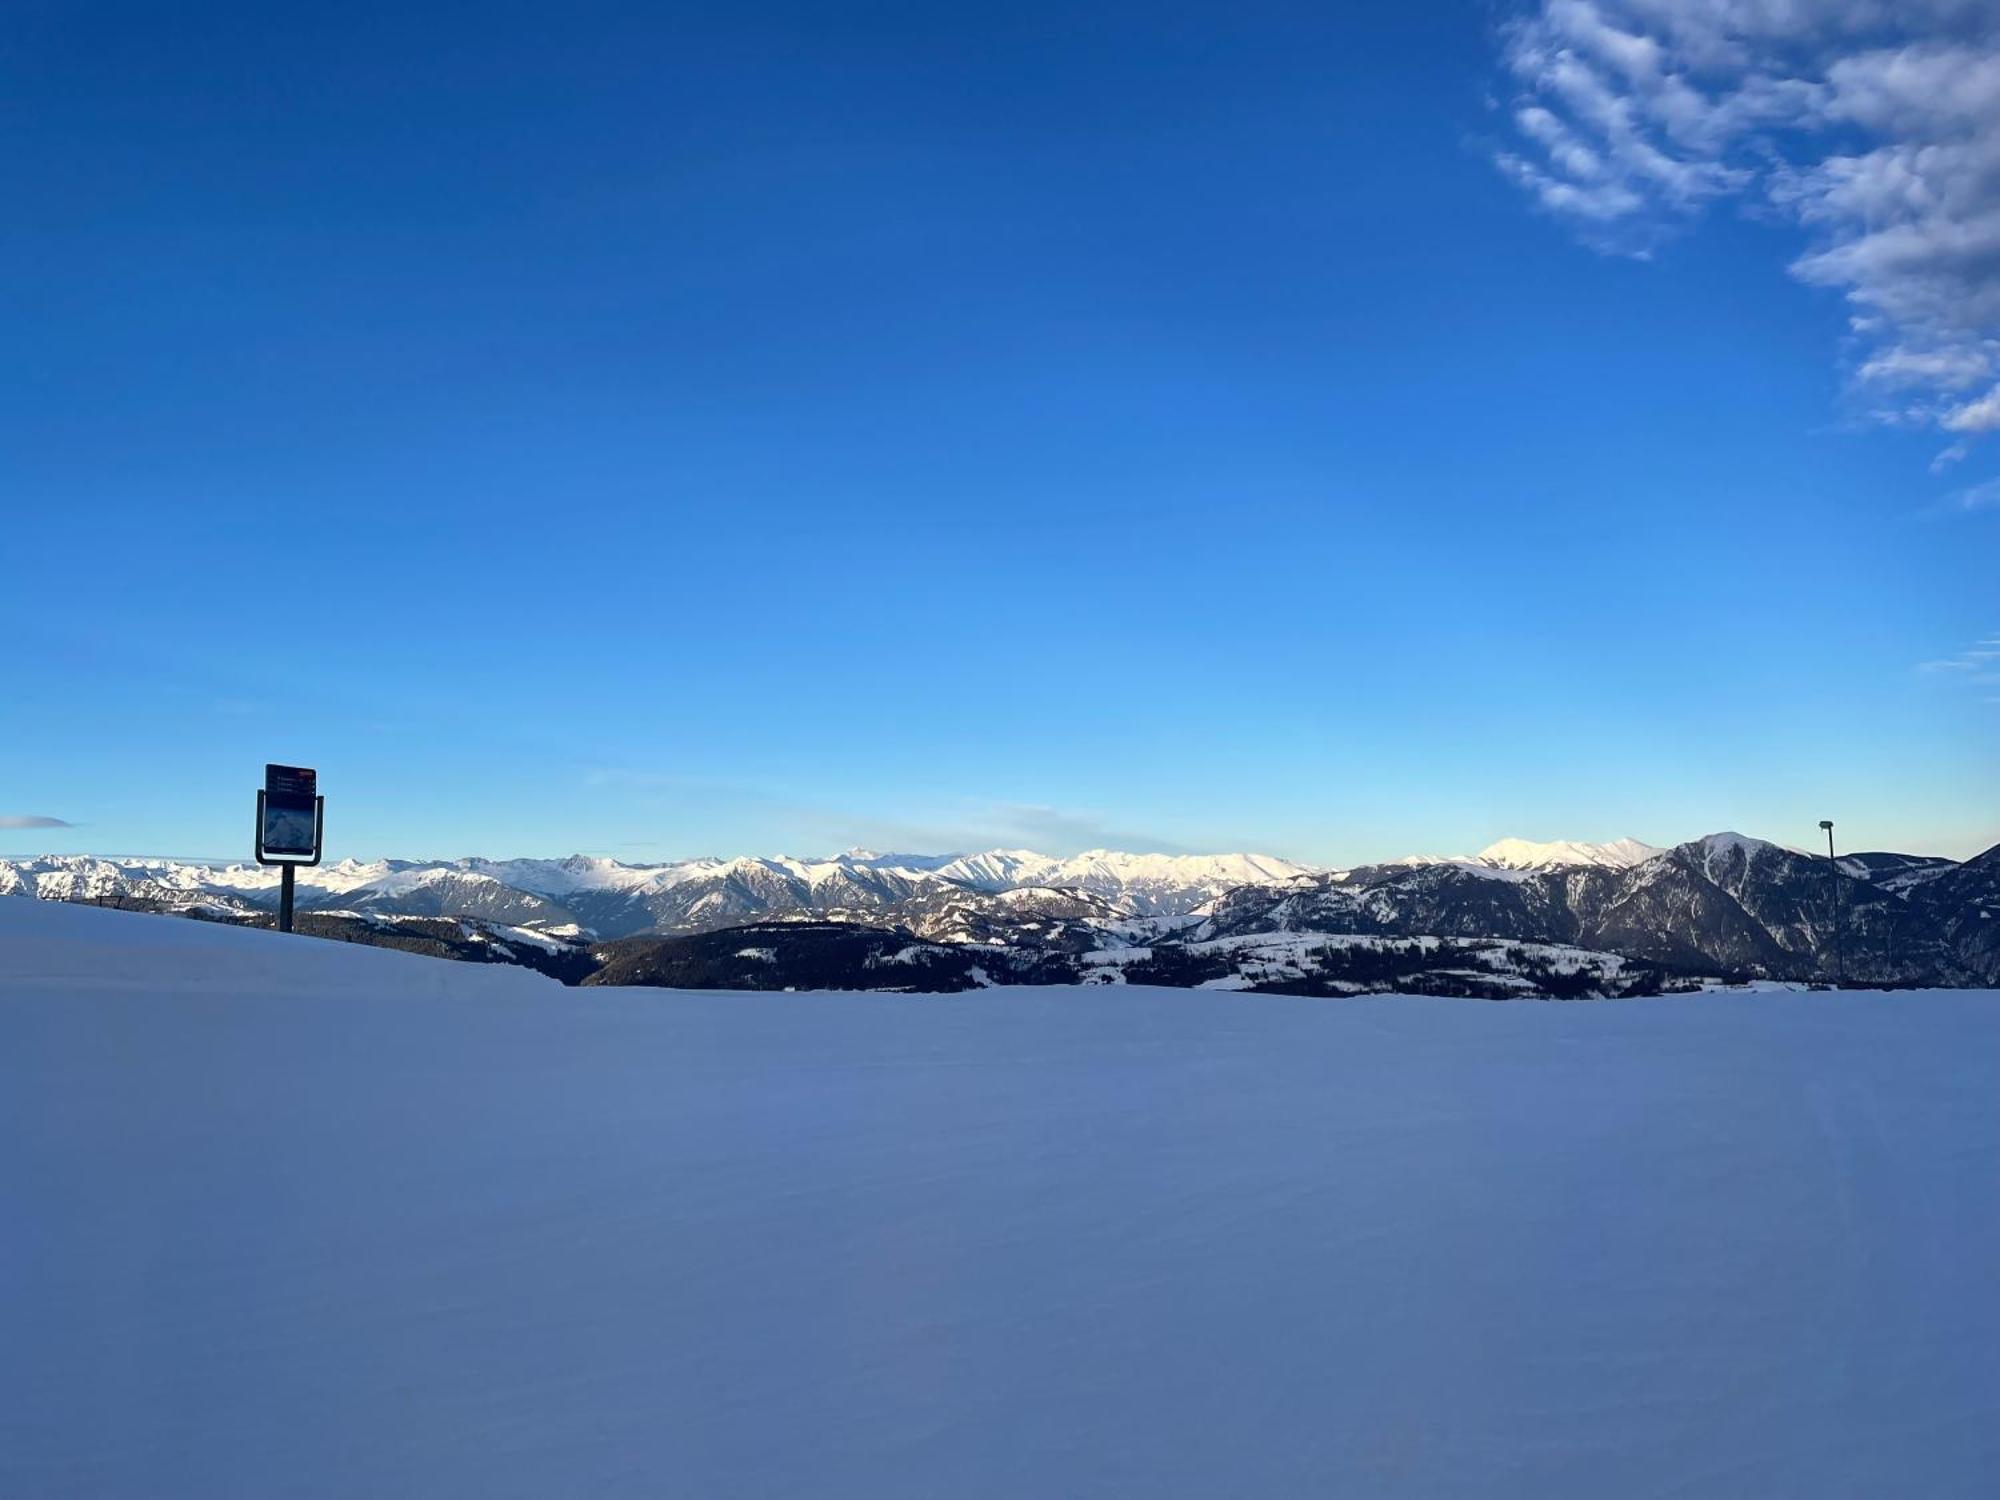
[1977,497]
[32,820]
[1978,665]
[1872,124]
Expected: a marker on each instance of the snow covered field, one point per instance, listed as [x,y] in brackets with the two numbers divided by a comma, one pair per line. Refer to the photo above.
[288,1218]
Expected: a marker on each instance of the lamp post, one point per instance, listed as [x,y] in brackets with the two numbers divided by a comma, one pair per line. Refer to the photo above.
[1833,902]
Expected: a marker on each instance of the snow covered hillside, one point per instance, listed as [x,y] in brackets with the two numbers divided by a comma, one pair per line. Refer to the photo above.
[295,1218]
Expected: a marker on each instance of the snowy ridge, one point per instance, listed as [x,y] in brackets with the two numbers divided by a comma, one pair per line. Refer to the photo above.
[1525,854]
[1156,884]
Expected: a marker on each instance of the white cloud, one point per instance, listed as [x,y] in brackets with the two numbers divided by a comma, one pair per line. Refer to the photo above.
[1979,496]
[1945,369]
[1978,664]
[1873,124]
[32,820]
[1982,415]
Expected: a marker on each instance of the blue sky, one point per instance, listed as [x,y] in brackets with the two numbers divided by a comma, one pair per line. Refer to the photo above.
[662,430]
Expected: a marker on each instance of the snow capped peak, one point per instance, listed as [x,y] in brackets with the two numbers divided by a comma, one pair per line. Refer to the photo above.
[1157,884]
[583,864]
[1725,851]
[1526,854]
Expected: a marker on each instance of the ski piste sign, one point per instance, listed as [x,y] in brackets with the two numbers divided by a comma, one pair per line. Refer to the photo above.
[290,816]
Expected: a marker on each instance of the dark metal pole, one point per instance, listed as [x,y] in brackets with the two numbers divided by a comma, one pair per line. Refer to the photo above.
[1833,894]
[285,899]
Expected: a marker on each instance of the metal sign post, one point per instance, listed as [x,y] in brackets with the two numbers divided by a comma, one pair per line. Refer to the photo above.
[291,826]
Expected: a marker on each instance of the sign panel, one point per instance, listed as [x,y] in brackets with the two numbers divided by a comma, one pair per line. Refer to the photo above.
[290,781]
[290,823]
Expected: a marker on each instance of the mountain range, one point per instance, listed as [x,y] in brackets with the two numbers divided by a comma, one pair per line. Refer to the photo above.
[1519,917]
[604,898]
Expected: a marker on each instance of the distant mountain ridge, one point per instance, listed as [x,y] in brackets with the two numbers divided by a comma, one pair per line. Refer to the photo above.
[1526,854]
[613,898]
[610,899]
[1622,915]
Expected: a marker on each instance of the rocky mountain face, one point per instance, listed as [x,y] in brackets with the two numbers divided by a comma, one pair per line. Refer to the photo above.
[1723,905]
[450,893]
[1755,907]
[1153,885]
[1962,905]
[1035,917]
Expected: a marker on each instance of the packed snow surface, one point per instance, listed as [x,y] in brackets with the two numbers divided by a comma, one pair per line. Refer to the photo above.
[291,1218]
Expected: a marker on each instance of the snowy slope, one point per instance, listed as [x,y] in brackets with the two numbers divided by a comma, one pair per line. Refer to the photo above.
[50,948]
[287,1218]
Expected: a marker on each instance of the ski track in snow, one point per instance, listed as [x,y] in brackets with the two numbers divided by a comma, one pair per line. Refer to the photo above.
[287,1218]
